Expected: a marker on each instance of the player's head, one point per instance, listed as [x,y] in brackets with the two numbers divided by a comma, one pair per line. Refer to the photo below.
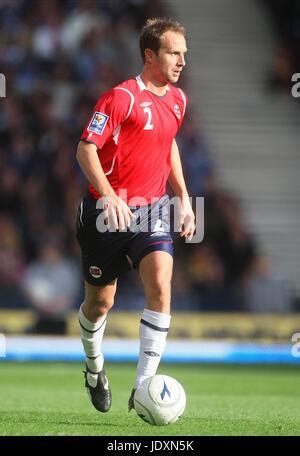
[163,48]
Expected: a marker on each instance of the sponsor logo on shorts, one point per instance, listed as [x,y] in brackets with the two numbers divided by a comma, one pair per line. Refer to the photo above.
[98,123]
[95,272]
[158,233]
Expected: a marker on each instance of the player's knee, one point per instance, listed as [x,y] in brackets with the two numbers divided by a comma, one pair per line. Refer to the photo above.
[159,288]
[100,306]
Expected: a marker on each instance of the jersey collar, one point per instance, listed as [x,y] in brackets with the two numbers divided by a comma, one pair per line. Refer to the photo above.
[141,84]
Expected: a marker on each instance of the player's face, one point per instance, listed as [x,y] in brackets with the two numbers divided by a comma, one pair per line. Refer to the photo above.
[170,60]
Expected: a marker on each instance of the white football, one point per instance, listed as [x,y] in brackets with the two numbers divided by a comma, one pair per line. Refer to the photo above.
[160,400]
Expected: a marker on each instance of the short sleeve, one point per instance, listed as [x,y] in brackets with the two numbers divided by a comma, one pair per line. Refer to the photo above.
[109,112]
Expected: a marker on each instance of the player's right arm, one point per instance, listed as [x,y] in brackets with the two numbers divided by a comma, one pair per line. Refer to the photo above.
[110,111]
[117,211]
[89,162]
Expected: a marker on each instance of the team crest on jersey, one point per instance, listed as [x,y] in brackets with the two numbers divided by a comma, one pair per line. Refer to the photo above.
[98,123]
[177,111]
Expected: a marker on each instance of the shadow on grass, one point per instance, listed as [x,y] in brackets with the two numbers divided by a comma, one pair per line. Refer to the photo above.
[34,417]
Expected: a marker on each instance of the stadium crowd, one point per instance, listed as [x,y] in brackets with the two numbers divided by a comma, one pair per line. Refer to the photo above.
[285,18]
[57,58]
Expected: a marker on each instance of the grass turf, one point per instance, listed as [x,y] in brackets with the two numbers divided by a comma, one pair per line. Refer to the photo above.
[49,399]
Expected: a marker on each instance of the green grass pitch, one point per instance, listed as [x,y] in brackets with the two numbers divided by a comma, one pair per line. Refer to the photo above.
[49,399]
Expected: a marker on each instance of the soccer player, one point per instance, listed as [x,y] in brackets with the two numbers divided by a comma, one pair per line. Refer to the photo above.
[128,153]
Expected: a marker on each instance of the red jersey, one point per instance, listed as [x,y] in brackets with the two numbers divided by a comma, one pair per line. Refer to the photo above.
[133,130]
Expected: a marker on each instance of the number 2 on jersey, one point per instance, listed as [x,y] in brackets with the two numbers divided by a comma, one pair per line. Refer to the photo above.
[149,125]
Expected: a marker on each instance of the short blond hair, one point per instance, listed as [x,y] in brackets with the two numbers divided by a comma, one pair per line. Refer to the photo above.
[152,31]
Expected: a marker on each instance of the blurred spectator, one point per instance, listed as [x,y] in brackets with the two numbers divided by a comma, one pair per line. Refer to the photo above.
[196,160]
[52,284]
[284,65]
[80,23]
[285,16]
[11,261]
[226,231]
[219,265]
[12,264]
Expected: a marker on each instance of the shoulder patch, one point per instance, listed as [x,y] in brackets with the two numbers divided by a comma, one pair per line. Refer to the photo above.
[98,123]
[177,111]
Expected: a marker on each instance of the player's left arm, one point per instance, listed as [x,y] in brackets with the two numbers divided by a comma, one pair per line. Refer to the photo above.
[177,182]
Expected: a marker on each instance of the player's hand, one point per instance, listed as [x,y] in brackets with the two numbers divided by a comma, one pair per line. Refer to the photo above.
[116,212]
[187,219]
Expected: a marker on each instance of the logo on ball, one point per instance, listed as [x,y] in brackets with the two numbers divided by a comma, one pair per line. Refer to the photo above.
[160,400]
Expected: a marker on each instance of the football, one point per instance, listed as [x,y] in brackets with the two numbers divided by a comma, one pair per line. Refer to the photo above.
[160,400]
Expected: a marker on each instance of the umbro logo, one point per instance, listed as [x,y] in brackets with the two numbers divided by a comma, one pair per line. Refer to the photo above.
[145,104]
[151,353]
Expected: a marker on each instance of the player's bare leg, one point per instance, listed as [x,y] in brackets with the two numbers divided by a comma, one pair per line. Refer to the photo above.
[156,272]
[92,319]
